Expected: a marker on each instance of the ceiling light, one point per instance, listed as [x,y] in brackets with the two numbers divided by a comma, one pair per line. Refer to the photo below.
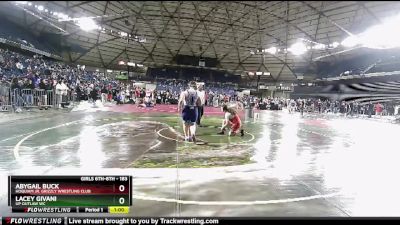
[319,46]
[21,2]
[259,73]
[87,24]
[121,63]
[131,64]
[351,41]
[382,36]
[46,10]
[40,8]
[251,74]
[139,65]
[55,13]
[267,74]
[335,44]
[97,70]
[298,48]
[123,34]
[109,71]
[271,50]
[62,16]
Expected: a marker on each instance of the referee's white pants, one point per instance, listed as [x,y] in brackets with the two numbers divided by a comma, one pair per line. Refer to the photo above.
[103,97]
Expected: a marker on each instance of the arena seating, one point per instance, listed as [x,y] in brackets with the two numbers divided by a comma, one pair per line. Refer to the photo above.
[19,69]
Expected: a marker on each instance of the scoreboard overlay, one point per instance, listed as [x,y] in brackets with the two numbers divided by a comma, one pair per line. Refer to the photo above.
[70,194]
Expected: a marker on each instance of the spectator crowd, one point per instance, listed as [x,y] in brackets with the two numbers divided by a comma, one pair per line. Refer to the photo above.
[348,108]
[22,72]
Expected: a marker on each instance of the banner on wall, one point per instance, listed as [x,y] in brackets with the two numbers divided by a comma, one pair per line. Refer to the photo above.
[150,87]
[122,76]
[139,84]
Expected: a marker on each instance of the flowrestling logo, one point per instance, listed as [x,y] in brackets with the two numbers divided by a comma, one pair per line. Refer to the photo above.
[47,210]
[33,220]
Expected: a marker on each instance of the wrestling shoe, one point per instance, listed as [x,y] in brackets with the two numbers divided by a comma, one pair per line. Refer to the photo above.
[194,138]
[221,132]
[241,132]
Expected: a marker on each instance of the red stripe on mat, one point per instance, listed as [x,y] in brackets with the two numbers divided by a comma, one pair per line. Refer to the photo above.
[128,108]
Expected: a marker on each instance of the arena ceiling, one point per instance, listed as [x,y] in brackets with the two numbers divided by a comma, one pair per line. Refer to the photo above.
[230,31]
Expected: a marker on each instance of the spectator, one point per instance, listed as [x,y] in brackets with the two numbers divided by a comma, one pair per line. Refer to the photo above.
[61,91]
[378,109]
[104,93]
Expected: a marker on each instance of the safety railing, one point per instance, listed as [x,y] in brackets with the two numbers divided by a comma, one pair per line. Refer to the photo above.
[18,99]
[64,98]
[5,98]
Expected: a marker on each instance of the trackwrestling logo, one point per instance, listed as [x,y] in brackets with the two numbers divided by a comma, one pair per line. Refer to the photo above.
[188,221]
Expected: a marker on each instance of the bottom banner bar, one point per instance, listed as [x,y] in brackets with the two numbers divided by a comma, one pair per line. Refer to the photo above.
[177,220]
[140,221]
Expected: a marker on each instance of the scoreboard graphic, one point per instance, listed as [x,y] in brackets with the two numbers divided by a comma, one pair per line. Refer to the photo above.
[88,195]
[70,194]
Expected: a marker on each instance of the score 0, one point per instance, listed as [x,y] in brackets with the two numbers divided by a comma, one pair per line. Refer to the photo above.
[121,189]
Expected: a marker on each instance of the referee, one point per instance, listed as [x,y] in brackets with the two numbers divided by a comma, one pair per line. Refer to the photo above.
[202,95]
